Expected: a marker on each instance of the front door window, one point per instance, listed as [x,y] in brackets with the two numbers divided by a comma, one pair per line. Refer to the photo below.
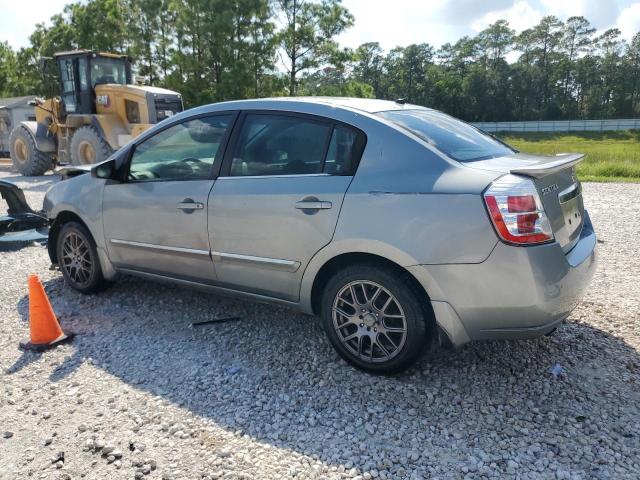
[185,151]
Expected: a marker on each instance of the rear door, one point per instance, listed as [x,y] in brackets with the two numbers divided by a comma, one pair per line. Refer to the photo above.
[277,200]
[156,220]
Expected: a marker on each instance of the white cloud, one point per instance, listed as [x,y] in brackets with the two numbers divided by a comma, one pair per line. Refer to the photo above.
[601,13]
[400,22]
[520,16]
[19,18]
[629,21]
[395,22]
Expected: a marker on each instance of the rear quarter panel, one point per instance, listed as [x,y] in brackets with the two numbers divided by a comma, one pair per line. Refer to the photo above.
[406,195]
[412,206]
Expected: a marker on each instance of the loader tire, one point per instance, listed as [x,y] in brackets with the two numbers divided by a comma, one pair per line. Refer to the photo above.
[26,157]
[88,147]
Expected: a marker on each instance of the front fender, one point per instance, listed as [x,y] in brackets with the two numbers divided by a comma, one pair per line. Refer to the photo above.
[80,196]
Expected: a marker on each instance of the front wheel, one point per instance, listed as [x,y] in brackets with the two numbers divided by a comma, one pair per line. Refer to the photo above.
[26,157]
[78,259]
[376,318]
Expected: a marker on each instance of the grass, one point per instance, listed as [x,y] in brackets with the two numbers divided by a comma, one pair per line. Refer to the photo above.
[610,156]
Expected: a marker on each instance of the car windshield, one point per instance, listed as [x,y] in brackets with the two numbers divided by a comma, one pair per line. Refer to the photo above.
[455,138]
[108,70]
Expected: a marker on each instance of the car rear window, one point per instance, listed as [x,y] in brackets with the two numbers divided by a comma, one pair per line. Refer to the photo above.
[454,138]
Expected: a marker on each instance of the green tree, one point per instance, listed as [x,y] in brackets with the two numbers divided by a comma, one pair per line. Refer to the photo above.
[145,24]
[577,40]
[495,42]
[308,34]
[632,75]
[368,69]
[7,70]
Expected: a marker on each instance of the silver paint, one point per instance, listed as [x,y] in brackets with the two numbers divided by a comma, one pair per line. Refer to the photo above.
[407,203]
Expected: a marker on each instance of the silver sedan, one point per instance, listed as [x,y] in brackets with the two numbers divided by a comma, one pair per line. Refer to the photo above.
[398,225]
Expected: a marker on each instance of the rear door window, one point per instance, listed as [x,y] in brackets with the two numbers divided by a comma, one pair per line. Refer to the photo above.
[280,145]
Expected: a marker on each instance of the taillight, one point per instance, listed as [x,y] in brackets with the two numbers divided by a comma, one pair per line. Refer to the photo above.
[516,211]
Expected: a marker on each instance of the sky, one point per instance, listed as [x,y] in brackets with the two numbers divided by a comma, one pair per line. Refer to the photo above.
[395,22]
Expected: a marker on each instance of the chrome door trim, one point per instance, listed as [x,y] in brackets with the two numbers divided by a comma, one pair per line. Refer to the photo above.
[293,175]
[151,246]
[265,262]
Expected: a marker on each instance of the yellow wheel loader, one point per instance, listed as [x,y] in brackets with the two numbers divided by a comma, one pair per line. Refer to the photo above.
[98,111]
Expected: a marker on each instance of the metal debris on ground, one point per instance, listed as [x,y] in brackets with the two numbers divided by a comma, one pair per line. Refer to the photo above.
[214,320]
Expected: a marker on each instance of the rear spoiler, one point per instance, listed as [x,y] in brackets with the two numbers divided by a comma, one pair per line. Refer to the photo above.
[560,162]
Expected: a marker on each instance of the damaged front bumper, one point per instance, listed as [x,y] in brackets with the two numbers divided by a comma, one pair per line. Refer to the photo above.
[21,224]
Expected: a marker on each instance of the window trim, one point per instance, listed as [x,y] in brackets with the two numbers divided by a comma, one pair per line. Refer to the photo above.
[217,161]
[225,165]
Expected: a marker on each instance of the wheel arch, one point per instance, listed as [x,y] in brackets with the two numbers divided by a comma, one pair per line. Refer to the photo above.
[63,217]
[333,258]
[343,260]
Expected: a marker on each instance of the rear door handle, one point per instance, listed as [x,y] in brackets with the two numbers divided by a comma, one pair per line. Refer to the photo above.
[188,205]
[313,205]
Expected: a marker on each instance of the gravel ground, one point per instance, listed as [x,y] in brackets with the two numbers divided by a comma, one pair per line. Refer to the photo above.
[141,394]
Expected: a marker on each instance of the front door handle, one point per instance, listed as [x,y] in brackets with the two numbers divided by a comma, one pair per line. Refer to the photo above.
[188,205]
[313,205]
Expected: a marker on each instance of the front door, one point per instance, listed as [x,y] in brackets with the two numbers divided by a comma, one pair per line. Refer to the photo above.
[278,199]
[156,220]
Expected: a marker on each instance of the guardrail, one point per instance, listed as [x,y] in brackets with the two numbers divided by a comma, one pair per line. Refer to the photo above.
[562,125]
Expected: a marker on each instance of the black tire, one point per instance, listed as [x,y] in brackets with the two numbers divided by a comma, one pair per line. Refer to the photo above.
[411,302]
[88,146]
[26,158]
[88,282]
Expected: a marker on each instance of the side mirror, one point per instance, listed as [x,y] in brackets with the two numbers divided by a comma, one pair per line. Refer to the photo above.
[106,170]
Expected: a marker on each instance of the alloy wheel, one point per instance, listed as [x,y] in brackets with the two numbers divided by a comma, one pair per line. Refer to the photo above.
[369,321]
[76,259]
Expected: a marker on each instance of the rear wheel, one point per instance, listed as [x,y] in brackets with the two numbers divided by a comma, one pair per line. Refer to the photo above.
[78,259]
[26,157]
[88,147]
[375,318]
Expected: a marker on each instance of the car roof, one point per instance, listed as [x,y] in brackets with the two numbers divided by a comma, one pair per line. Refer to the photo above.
[368,105]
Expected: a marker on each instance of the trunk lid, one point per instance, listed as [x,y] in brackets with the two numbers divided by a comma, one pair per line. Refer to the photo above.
[558,187]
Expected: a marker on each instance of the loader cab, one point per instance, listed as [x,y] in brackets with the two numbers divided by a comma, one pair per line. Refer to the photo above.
[80,72]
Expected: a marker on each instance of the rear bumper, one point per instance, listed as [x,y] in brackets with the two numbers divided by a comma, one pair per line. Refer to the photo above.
[517,292]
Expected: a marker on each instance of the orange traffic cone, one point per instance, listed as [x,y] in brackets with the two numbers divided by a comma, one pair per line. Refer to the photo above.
[43,324]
